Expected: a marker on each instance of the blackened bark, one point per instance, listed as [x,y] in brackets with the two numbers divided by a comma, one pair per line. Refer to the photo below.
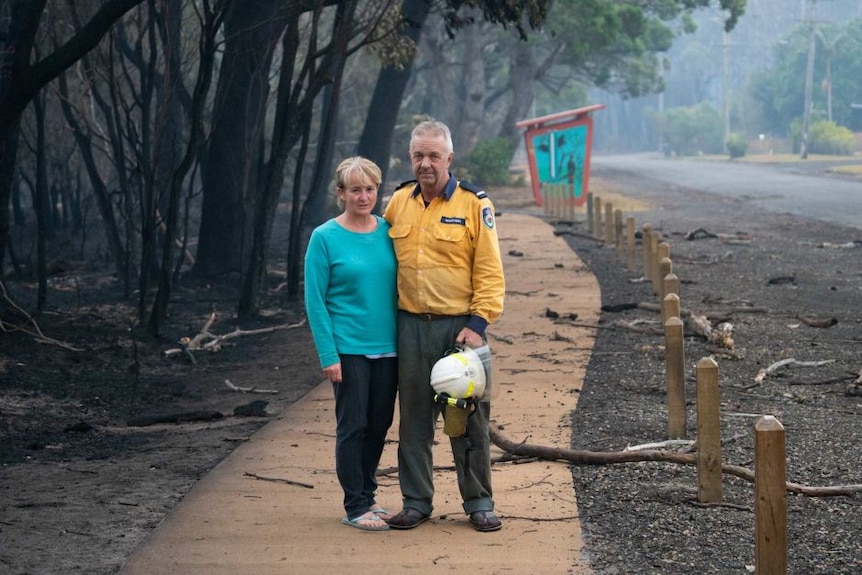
[232,177]
[20,81]
[210,26]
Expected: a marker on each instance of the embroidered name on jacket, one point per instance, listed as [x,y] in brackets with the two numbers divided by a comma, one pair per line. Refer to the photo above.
[451,220]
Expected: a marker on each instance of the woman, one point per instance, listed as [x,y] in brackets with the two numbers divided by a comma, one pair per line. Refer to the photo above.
[351,302]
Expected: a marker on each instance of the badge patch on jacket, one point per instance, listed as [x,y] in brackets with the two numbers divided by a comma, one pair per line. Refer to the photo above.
[488,217]
[451,220]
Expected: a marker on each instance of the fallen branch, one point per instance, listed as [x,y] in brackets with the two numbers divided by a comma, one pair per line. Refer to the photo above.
[720,335]
[632,326]
[207,341]
[604,458]
[233,387]
[577,235]
[737,238]
[36,332]
[698,234]
[278,480]
[761,375]
[715,315]
[181,417]
[814,321]
[831,380]
[661,444]
[830,245]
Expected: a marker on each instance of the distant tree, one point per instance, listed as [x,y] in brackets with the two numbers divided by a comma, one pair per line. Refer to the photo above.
[779,91]
[692,130]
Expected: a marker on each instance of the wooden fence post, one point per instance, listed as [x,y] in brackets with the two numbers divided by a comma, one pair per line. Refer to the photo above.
[665,268]
[770,492]
[670,284]
[655,240]
[597,217]
[590,217]
[675,378]
[669,307]
[630,242]
[609,222]
[708,432]
[543,189]
[553,192]
[561,208]
[618,231]
[662,252]
[646,235]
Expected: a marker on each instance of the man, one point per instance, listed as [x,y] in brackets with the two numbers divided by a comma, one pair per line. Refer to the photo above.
[450,287]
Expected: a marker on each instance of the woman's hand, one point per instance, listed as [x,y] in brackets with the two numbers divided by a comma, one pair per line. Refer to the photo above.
[333,372]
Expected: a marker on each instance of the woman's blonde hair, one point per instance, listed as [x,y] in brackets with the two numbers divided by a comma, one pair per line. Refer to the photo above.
[356,168]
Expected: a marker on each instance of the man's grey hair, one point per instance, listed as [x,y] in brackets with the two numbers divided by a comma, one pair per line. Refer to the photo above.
[433,128]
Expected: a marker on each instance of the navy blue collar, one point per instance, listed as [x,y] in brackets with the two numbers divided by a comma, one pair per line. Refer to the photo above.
[447,191]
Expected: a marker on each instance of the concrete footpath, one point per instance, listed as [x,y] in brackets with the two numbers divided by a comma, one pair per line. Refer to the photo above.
[232,523]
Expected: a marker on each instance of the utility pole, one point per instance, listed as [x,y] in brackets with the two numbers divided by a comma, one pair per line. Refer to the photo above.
[725,77]
[809,79]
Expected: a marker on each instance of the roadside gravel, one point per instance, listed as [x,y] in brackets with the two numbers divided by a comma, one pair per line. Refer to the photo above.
[644,517]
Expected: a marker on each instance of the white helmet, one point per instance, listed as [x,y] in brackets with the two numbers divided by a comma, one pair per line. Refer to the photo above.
[460,374]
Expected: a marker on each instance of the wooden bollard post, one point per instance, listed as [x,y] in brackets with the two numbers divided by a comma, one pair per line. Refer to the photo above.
[653,255]
[670,284]
[546,208]
[770,493]
[662,252]
[570,201]
[609,222]
[646,235]
[590,218]
[654,240]
[665,268]
[597,217]
[669,307]
[561,201]
[675,378]
[618,231]
[630,243]
[708,432]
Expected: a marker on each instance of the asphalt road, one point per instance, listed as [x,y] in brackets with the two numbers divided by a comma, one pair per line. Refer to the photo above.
[800,188]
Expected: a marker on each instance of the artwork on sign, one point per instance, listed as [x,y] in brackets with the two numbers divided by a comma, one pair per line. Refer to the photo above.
[558,151]
[560,157]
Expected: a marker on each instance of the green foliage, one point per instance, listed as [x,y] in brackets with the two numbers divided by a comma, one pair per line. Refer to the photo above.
[489,162]
[824,138]
[690,131]
[736,145]
[780,91]
[618,46]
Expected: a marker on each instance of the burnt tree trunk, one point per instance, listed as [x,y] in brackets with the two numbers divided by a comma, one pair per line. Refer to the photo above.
[231,177]
[210,27]
[20,80]
[375,142]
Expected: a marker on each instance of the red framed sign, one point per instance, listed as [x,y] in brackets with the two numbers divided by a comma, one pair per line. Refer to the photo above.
[559,147]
